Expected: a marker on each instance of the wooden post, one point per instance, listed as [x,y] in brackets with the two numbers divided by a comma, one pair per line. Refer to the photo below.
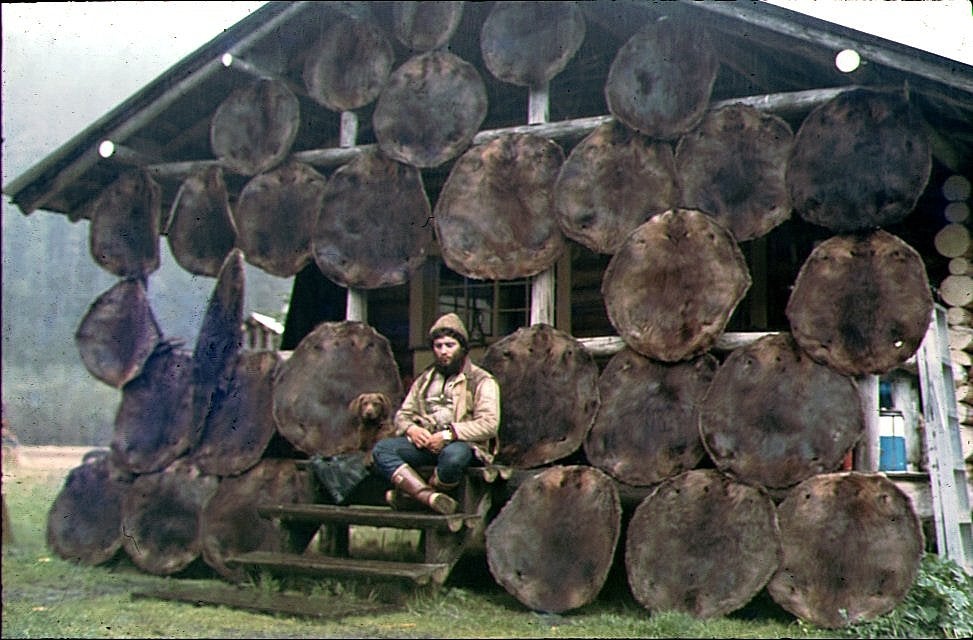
[357,305]
[542,284]
[868,451]
[758,270]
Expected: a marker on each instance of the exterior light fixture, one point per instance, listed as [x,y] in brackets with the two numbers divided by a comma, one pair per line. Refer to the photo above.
[847,60]
[106,149]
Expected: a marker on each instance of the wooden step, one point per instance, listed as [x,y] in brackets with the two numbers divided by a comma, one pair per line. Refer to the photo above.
[252,599]
[323,566]
[367,515]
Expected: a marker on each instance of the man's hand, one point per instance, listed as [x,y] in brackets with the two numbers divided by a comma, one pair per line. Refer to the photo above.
[436,442]
[420,437]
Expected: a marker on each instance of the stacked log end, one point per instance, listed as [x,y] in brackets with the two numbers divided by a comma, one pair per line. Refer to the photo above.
[955,244]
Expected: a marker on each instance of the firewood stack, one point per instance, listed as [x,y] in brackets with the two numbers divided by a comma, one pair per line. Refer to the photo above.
[736,455]
[956,293]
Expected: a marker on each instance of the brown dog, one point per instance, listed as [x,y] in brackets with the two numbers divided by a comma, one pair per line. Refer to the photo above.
[373,413]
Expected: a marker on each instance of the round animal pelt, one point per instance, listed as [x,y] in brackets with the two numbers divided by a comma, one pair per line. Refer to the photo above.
[375,224]
[154,422]
[672,286]
[495,217]
[861,303]
[161,517]
[430,109]
[275,217]
[852,546]
[528,43]
[774,417]
[83,522]
[254,127]
[220,336]
[231,525]
[552,544]
[733,166]
[348,66]
[661,79]
[612,181]
[118,333]
[860,161]
[330,367]
[201,231]
[123,238]
[646,429]
[240,422]
[424,26]
[548,394]
[701,543]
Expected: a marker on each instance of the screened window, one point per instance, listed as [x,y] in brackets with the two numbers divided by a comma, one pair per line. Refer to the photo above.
[491,309]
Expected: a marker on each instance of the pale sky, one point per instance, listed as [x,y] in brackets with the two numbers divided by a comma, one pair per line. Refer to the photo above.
[943,27]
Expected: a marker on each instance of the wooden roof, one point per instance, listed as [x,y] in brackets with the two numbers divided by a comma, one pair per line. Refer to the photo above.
[765,52]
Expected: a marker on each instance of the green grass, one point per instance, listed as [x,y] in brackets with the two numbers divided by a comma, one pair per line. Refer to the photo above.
[44,596]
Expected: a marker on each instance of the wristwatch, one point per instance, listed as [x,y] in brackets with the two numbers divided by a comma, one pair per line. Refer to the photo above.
[447,434]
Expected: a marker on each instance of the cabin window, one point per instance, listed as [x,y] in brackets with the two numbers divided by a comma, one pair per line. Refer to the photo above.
[491,309]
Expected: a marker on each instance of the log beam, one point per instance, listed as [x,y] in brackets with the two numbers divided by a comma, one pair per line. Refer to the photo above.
[610,345]
[231,61]
[565,130]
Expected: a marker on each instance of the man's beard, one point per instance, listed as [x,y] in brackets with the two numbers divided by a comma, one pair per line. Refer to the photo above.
[453,367]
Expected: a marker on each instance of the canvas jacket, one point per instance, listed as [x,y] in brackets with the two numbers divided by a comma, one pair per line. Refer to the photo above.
[476,403]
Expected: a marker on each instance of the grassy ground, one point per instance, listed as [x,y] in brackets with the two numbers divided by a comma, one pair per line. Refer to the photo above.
[44,596]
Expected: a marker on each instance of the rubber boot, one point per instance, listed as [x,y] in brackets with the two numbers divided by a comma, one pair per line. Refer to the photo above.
[440,486]
[401,502]
[406,480]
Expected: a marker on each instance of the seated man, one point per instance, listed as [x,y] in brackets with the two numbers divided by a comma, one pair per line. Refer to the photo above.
[450,415]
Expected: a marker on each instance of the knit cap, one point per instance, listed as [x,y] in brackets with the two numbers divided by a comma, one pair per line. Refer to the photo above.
[453,323]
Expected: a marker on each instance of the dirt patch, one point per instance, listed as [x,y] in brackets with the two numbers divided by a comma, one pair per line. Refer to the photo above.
[34,460]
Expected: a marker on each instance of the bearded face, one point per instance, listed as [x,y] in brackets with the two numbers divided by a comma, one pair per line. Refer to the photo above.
[449,355]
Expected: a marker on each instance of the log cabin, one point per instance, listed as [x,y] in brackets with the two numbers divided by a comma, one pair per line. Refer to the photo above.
[654,197]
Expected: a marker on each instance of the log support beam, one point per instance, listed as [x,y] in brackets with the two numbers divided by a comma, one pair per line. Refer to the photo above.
[541,285]
[356,308]
[868,452]
[565,130]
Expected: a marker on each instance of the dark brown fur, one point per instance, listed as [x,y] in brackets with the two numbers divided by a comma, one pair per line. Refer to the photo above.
[373,413]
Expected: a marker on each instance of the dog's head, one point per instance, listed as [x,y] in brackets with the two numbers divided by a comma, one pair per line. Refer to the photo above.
[371,407]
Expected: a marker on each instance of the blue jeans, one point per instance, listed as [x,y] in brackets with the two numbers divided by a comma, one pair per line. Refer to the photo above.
[391,453]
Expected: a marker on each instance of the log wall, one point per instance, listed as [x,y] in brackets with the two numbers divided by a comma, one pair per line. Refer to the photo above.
[955,292]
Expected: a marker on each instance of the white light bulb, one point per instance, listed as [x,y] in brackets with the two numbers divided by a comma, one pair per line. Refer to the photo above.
[847,60]
[106,148]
